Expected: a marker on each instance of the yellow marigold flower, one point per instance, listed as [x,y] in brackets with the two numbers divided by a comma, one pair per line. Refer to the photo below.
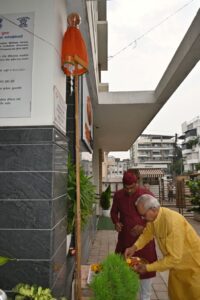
[96,268]
[128,260]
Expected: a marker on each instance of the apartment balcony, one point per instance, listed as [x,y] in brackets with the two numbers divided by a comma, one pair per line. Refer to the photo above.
[144,146]
[190,138]
[193,161]
[153,165]
[157,161]
[191,133]
[167,147]
[151,148]
[186,151]
[156,141]
[160,147]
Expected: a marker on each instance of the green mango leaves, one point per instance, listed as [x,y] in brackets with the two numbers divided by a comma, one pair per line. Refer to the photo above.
[4,260]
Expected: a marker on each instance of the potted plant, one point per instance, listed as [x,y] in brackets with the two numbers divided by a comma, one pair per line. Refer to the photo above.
[115,281]
[194,186]
[105,201]
[24,291]
[87,197]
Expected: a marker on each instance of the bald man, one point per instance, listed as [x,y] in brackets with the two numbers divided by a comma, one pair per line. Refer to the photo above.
[178,242]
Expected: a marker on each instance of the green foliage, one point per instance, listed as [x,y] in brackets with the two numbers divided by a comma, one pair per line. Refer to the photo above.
[194,186]
[4,260]
[23,290]
[192,143]
[116,281]
[105,198]
[197,166]
[177,167]
[87,196]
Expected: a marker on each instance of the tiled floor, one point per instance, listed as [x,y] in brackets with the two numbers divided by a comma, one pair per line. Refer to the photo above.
[104,243]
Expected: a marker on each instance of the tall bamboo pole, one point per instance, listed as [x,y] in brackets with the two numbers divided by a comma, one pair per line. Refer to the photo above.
[100,170]
[78,207]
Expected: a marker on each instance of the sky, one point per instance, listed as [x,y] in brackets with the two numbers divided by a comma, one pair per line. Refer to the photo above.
[158,28]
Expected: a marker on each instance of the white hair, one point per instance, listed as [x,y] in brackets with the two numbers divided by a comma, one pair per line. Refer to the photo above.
[148,201]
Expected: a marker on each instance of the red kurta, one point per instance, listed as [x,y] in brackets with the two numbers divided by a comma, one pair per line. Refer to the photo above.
[124,211]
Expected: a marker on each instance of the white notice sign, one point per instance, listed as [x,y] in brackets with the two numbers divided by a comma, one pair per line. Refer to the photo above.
[16,58]
[60,110]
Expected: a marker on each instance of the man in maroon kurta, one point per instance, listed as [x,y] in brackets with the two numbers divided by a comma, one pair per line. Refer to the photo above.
[130,225]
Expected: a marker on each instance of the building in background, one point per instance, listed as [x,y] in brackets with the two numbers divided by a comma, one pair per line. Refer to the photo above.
[191,144]
[153,151]
[117,167]
[113,169]
[87,166]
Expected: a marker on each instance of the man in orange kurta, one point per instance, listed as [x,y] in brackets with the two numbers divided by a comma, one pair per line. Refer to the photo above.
[178,242]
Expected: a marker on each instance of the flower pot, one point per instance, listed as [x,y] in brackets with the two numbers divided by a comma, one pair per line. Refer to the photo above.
[106,213]
[68,242]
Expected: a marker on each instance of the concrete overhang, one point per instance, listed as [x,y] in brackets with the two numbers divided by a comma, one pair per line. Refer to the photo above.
[102,36]
[102,10]
[120,117]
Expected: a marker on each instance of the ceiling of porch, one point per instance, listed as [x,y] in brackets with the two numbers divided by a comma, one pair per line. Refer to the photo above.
[120,117]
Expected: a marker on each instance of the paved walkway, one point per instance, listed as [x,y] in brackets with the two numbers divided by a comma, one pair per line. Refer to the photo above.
[104,243]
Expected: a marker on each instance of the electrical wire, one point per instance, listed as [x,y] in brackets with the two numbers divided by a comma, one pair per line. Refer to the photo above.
[149,30]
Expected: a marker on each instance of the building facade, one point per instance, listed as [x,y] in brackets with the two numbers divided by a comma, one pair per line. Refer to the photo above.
[191,144]
[153,151]
[115,167]
[37,133]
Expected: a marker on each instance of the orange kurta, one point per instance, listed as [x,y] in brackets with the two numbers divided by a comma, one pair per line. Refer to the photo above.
[180,245]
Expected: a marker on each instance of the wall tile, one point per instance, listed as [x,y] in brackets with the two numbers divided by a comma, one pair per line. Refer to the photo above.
[26,157]
[59,139]
[59,209]
[33,186]
[59,184]
[26,185]
[59,287]
[26,244]
[59,159]
[29,214]
[27,135]
[31,272]
[58,235]
[57,263]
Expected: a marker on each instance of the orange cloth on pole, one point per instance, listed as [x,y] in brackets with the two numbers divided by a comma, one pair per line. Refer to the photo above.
[74,52]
